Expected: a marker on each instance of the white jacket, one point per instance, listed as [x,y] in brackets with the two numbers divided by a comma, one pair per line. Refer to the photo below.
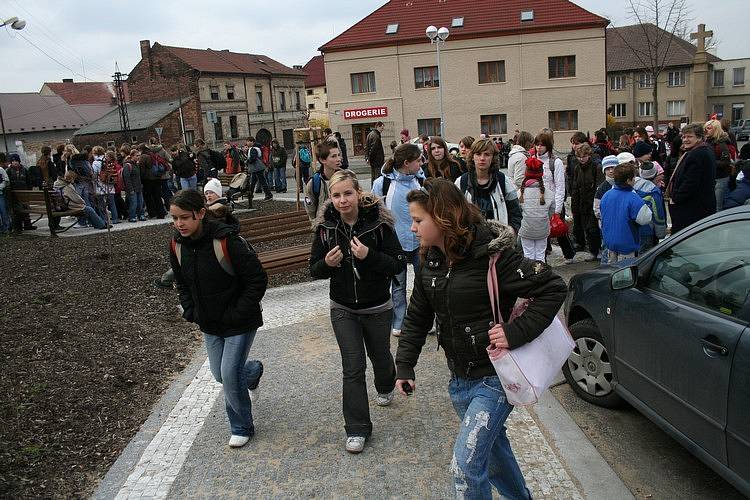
[517,164]
[535,222]
[554,185]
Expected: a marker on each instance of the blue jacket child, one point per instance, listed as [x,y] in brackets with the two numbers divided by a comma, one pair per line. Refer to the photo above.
[623,211]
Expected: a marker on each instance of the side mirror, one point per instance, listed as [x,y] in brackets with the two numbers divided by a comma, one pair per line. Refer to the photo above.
[624,278]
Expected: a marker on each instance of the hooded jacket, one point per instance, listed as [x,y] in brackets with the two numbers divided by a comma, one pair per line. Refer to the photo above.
[221,304]
[69,193]
[395,201]
[535,220]
[517,164]
[623,211]
[554,182]
[358,284]
[501,204]
[457,295]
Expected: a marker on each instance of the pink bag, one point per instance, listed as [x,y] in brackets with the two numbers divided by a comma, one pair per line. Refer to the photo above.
[527,371]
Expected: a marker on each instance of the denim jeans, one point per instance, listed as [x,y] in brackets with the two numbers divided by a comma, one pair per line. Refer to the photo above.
[357,334]
[93,218]
[135,205]
[398,290]
[83,189]
[305,173]
[482,456]
[227,359]
[104,201]
[189,183]
[167,189]
[5,223]
[279,179]
[721,187]
[269,179]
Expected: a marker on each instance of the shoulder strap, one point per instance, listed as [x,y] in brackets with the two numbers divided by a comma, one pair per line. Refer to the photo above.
[221,250]
[177,251]
[552,164]
[384,189]
[501,180]
[464,183]
[494,289]
[420,181]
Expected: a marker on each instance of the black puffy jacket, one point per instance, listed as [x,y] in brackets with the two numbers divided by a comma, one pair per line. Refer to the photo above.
[221,304]
[458,296]
[358,284]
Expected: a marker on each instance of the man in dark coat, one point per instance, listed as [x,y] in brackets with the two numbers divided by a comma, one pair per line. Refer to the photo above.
[374,154]
[586,177]
[691,188]
[342,149]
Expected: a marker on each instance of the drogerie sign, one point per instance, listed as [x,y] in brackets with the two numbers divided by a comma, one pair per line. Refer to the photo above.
[377,112]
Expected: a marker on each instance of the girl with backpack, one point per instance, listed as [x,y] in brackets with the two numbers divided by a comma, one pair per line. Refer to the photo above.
[220,283]
[355,246]
[401,174]
[457,245]
[485,186]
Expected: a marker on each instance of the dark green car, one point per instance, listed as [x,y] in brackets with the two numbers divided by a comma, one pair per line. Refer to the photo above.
[669,332]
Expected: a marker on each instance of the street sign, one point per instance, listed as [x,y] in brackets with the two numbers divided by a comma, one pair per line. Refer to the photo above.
[212,116]
[158,131]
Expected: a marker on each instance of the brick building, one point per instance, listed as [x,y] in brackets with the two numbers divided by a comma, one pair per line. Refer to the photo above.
[236,94]
[145,118]
[512,64]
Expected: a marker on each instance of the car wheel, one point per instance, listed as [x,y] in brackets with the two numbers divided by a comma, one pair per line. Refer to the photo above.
[588,369]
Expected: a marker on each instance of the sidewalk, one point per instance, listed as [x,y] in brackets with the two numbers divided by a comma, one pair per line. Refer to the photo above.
[298,449]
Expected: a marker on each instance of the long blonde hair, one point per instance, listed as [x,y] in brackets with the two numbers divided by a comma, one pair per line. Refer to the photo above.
[717,131]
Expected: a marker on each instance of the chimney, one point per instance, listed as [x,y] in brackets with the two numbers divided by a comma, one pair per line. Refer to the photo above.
[145,49]
[67,80]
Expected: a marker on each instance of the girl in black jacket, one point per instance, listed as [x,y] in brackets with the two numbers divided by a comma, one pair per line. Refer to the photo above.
[355,246]
[220,283]
[452,285]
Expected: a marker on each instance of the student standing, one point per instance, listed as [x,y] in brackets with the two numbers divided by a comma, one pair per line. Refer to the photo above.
[316,189]
[355,246]
[223,298]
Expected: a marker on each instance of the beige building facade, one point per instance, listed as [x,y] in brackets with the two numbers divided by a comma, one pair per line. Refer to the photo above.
[729,89]
[491,84]
[316,99]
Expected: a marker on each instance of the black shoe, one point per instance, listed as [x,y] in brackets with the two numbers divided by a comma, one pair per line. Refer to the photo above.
[161,284]
[29,228]
[269,196]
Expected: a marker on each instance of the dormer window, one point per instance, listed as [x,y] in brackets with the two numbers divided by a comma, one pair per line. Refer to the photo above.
[527,15]
[391,29]
[458,22]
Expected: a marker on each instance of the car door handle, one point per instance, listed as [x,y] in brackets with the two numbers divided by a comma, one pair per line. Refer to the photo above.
[710,346]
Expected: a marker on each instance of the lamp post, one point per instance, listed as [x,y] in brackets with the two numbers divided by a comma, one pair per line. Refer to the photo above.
[16,24]
[438,36]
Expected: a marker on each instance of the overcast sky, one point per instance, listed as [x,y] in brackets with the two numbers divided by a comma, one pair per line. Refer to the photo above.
[87,37]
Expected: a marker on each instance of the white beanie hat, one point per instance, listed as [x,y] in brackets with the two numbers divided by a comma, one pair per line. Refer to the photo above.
[213,185]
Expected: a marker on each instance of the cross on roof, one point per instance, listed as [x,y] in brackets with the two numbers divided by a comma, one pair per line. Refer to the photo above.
[701,36]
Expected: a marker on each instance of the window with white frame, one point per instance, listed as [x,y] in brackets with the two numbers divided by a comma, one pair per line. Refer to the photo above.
[676,79]
[617,82]
[619,110]
[675,108]
[645,80]
[646,108]
[739,76]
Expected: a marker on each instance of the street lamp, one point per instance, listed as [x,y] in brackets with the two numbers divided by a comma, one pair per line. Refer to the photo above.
[438,36]
[14,22]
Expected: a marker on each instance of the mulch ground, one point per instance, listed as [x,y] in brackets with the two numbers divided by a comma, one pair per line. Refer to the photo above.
[88,346]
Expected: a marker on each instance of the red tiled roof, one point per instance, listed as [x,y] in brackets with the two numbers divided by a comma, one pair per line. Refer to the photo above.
[224,61]
[489,18]
[86,92]
[623,41]
[316,72]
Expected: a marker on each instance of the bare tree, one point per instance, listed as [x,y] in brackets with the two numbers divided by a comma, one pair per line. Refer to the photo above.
[661,22]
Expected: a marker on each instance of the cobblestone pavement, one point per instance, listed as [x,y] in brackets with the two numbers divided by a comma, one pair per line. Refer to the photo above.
[298,447]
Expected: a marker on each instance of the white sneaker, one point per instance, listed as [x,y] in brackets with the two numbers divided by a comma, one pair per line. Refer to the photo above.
[396,333]
[355,444]
[238,441]
[384,399]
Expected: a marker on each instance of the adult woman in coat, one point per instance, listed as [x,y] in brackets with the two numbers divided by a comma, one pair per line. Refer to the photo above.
[452,284]
[355,246]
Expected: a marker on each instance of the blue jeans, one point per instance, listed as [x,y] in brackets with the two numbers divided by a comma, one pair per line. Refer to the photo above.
[269,179]
[189,183]
[721,187]
[482,456]
[227,358]
[107,200]
[135,205]
[84,191]
[279,179]
[5,223]
[93,218]
[398,290]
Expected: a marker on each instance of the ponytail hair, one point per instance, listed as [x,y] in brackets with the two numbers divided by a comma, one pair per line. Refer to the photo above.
[406,152]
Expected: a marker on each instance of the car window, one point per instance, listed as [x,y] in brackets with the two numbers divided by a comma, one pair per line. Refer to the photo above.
[710,268]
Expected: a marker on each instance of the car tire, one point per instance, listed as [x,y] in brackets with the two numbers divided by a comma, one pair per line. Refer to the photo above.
[588,370]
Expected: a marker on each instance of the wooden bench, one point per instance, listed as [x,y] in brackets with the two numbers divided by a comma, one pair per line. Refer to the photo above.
[225,179]
[277,227]
[42,203]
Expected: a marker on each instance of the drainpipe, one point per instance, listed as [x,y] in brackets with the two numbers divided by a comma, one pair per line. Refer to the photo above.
[273,113]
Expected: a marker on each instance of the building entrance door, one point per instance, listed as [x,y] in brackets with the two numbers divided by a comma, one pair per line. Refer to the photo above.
[359,137]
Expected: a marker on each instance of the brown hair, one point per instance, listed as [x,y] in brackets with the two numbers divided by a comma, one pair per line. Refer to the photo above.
[450,211]
[584,150]
[546,140]
[694,128]
[323,149]
[406,152]
[578,138]
[624,172]
[525,140]
[467,141]
[97,150]
[480,146]
[440,168]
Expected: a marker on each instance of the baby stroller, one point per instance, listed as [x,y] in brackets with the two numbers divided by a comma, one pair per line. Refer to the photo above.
[238,187]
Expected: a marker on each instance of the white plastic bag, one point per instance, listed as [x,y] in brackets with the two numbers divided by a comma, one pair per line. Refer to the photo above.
[527,371]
